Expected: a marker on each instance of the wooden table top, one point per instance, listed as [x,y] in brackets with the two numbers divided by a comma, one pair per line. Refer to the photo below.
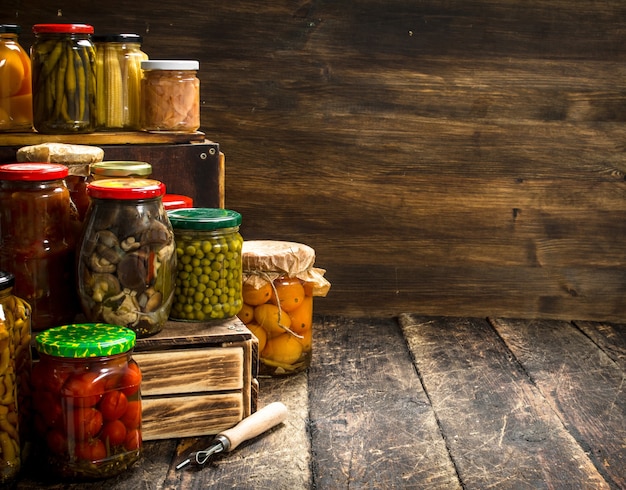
[425,402]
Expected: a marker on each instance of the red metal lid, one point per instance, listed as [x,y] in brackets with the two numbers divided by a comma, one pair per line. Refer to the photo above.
[125,189]
[177,201]
[63,28]
[33,172]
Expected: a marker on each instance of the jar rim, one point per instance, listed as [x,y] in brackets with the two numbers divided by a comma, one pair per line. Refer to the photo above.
[33,171]
[83,340]
[7,280]
[170,65]
[125,188]
[117,38]
[63,28]
[115,168]
[10,29]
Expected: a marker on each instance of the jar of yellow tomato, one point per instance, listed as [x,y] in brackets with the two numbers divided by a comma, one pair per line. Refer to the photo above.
[279,283]
[16,95]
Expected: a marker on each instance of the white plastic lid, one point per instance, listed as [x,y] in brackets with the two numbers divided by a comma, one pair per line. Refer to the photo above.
[170,65]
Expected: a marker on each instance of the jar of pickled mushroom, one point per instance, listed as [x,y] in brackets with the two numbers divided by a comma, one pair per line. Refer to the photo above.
[126,262]
[87,400]
[14,377]
[121,169]
[16,102]
[118,71]
[170,95]
[279,283]
[63,59]
[37,239]
[208,277]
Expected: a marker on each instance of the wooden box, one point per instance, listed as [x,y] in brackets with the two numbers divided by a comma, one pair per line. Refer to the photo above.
[198,378]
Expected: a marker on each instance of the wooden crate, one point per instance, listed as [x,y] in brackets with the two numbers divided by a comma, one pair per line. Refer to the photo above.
[198,378]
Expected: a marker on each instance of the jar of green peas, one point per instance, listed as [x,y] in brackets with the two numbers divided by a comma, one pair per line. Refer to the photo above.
[208,278]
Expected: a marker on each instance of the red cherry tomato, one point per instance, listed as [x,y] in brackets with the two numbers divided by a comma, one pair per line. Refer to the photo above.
[113,405]
[45,377]
[114,433]
[56,441]
[133,440]
[49,407]
[84,389]
[131,380]
[132,416]
[93,450]
[86,422]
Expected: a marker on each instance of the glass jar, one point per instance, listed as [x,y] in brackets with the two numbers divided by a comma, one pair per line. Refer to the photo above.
[14,376]
[208,278]
[126,257]
[170,95]
[121,169]
[87,400]
[176,201]
[279,283]
[118,71]
[37,239]
[16,101]
[63,59]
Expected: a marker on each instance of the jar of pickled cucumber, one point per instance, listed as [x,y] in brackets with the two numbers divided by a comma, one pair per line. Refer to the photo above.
[16,102]
[208,277]
[126,263]
[63,59]
[37,239]
[121,169]
[118,71]
[87,400]
[170,95]
[279,283]
[14,377]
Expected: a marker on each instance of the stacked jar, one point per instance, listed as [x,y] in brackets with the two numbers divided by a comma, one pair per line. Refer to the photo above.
[126,263]
[208,278]
[279,283]
[121,169]
[118,73]
[87,400]
[63,60]
[37,239]
[170,95]
[14,377]
[16,103]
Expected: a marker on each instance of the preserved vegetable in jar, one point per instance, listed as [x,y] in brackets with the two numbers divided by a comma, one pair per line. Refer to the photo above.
[126,256]
[170,95]
[279,283]
[118,71]
[63,59]
[208,277]
[87,400]
[16,102]
[14,377]
[37,241]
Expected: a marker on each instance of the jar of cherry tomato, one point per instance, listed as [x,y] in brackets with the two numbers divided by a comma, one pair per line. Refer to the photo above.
[14,376]
[279,283]
[37,241]
[87,400]
[126,263]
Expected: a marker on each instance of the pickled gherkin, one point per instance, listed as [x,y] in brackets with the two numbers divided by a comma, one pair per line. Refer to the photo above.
[64,78]
[208,251]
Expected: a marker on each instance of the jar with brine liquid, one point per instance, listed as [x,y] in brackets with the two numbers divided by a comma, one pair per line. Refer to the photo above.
[279,283]
[170,95]
[16,101]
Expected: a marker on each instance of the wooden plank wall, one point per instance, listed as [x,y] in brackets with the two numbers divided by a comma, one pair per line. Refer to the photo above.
[460,158]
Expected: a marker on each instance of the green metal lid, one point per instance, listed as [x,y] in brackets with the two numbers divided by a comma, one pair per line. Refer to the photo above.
[203,218]
[82,340]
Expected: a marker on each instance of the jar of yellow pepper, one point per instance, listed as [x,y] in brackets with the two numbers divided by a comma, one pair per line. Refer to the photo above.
[279,283]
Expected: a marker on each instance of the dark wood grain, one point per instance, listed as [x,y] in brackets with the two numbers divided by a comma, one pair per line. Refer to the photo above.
[582,384]
[450,158]
[499,428]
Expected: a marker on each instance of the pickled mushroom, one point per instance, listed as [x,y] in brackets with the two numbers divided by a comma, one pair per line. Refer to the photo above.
[132,271]
[104,286]
[124,313]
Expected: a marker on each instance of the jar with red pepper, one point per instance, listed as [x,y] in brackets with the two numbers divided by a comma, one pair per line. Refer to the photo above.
[37,239]
[87,400]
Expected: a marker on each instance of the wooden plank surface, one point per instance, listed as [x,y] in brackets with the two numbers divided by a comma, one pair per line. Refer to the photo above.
[583,385]
[499,428]
[371,422]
